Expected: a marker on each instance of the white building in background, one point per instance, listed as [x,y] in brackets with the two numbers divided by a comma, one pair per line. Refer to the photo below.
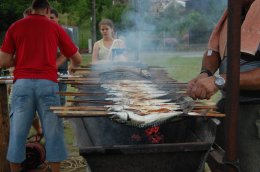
[120,2]
[161,5]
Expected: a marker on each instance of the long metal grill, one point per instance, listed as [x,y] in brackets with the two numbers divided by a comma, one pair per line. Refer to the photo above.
[134,118]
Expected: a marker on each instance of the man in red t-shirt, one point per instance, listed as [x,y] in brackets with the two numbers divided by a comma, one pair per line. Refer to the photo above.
[34,41]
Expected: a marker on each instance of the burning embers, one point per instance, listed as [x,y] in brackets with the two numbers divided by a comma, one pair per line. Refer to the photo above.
[151,135]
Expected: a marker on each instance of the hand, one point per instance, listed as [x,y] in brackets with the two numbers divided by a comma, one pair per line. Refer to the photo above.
[192,83]
[204,88]
[71,68]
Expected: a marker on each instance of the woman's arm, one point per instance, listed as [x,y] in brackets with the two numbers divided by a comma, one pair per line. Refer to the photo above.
[95,53]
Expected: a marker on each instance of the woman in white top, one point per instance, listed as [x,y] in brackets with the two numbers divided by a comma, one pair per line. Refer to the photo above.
[103,49]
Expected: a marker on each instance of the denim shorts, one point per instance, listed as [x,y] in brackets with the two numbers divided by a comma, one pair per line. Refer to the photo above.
[29,96]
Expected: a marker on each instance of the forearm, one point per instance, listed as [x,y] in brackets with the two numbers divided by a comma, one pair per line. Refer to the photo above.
[76,60]
[60,60]
[6,60]
[211,61]
[94,55]
[250,80]
[202,86]
[94,58]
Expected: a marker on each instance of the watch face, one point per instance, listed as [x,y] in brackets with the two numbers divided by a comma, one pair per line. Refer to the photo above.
[220,82]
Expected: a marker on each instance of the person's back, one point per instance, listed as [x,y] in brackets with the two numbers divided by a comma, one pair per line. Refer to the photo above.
[36,39]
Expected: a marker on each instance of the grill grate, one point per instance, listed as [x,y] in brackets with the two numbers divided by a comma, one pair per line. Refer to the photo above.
[147,96]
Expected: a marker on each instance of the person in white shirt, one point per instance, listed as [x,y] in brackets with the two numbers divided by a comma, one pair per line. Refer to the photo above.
[105,48]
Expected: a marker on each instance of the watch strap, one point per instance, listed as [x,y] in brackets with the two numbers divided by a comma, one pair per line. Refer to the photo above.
[207,72]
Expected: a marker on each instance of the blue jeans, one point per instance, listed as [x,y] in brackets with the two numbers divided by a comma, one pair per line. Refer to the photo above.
[30,95]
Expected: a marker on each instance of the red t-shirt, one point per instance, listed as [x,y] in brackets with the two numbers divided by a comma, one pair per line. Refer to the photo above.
[35,40]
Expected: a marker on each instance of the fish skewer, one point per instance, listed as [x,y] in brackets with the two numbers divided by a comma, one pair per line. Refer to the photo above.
[80,114]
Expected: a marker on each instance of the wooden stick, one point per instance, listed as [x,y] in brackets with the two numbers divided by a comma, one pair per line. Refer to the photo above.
[209,114]
[76,69]
[79,114]
[79,79]
[92,101]
[7,81]
[79,83]
[221,115]
[81,94]
[83,72]
[68,113]
[205,107]
[84,108]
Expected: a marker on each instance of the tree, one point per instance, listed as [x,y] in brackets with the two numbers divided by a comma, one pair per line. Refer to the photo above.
[11,11]
[197,19]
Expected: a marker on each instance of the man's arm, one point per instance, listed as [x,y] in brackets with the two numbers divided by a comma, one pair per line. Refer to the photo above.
[60,60]
[211,61]
[75,61]
[250,80]
[201,87]
[6,60]
[205,87]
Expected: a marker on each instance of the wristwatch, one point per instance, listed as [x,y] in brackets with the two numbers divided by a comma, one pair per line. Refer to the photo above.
[220,82]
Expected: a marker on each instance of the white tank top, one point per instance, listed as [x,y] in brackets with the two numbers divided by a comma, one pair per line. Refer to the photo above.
[105,53]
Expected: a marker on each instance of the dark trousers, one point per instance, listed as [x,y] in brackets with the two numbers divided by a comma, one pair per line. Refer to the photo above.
[248,134]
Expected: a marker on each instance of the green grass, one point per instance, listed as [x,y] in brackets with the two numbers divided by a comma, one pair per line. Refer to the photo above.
[182,69]
[86,59]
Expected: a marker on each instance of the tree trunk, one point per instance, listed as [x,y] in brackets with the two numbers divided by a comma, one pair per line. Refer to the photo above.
[94,29]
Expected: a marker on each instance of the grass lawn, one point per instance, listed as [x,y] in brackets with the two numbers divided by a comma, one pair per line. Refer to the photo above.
[182,69]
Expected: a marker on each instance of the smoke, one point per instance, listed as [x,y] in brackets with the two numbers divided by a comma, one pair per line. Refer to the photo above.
[139,33]
[160,25]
